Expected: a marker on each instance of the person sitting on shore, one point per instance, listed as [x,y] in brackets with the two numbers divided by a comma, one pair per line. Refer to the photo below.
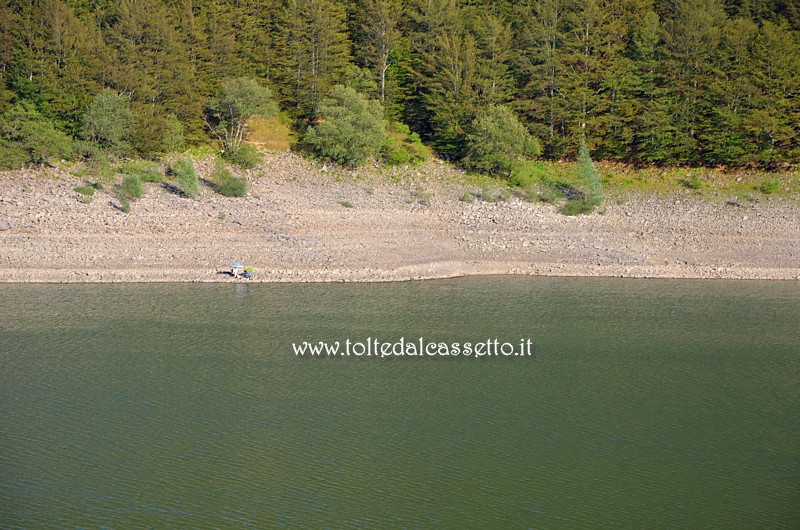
[235,272]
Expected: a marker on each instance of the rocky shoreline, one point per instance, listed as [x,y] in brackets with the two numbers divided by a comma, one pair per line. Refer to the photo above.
[303,222]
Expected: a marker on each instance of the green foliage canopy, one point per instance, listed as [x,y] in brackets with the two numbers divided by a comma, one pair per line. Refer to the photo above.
[498,140]
[350,129]
[239,100]
[108,120]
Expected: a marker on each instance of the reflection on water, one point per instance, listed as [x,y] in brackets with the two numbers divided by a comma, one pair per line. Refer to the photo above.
[648,404]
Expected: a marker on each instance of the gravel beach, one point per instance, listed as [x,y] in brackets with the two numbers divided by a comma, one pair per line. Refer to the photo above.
[304,222]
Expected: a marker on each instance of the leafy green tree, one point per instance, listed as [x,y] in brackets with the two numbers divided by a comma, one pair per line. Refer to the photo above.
[498,140]
[239,100]
[350,130]
[108,120]
[26,136]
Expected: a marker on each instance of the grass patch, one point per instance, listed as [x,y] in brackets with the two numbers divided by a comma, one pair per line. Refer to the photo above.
[226,183]
[86,190]
[144,170]
[131,187]
[696,183]
[403,148]
[274,134]
[186,177]
[124,203]
[770,186]
[578,206]
[245,156]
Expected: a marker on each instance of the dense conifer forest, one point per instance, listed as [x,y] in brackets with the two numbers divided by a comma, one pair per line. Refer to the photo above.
[699,82]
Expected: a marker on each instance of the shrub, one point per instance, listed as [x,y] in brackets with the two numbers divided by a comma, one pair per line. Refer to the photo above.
[12,156]
[695,184]
[769,186]
[108,120]
[350,128]
[124,203]
[395,153]
[239,100]
[530,173]
[131,187]
[577,206]
[498,140]
[186,177]
[346,204]
[403,147]
[225,183]
[245,156]
[85,190]
[26,136]
[144,170]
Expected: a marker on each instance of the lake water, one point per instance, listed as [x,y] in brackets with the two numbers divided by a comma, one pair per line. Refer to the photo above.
[645,403]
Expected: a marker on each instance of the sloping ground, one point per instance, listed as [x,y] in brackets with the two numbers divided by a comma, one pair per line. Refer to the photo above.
[292,227]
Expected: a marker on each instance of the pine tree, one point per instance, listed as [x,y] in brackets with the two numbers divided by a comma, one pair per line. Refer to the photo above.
[314,53]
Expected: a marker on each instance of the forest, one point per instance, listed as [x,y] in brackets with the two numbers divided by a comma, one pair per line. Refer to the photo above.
[665,82]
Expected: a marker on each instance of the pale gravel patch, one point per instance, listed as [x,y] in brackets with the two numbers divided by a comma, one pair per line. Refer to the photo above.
[292,227]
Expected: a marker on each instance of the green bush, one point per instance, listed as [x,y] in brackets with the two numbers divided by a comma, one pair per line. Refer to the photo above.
[12,156]
[695,184]
[144,170]
[578,207]
[124,203]
[108,121]
[26,136]
[225,183]
[131,187]
[350,129]
[770,186]
[395,153]
[245,156]
[186,176]
[403,148]
[239,100]
[498,141]
[85,190]
[346,204]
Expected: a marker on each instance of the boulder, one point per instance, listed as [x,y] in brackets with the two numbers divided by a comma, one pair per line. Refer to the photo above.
[4,226]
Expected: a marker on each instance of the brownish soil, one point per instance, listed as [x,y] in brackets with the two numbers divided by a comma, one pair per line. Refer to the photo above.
[404,224]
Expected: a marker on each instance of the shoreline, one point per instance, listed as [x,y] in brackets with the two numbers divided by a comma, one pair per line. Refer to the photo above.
[433,271]
[401,224]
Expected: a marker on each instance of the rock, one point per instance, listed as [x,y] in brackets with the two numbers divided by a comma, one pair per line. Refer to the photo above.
[4,226]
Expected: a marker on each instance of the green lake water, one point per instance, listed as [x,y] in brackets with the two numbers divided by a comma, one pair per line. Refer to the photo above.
[645,404]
